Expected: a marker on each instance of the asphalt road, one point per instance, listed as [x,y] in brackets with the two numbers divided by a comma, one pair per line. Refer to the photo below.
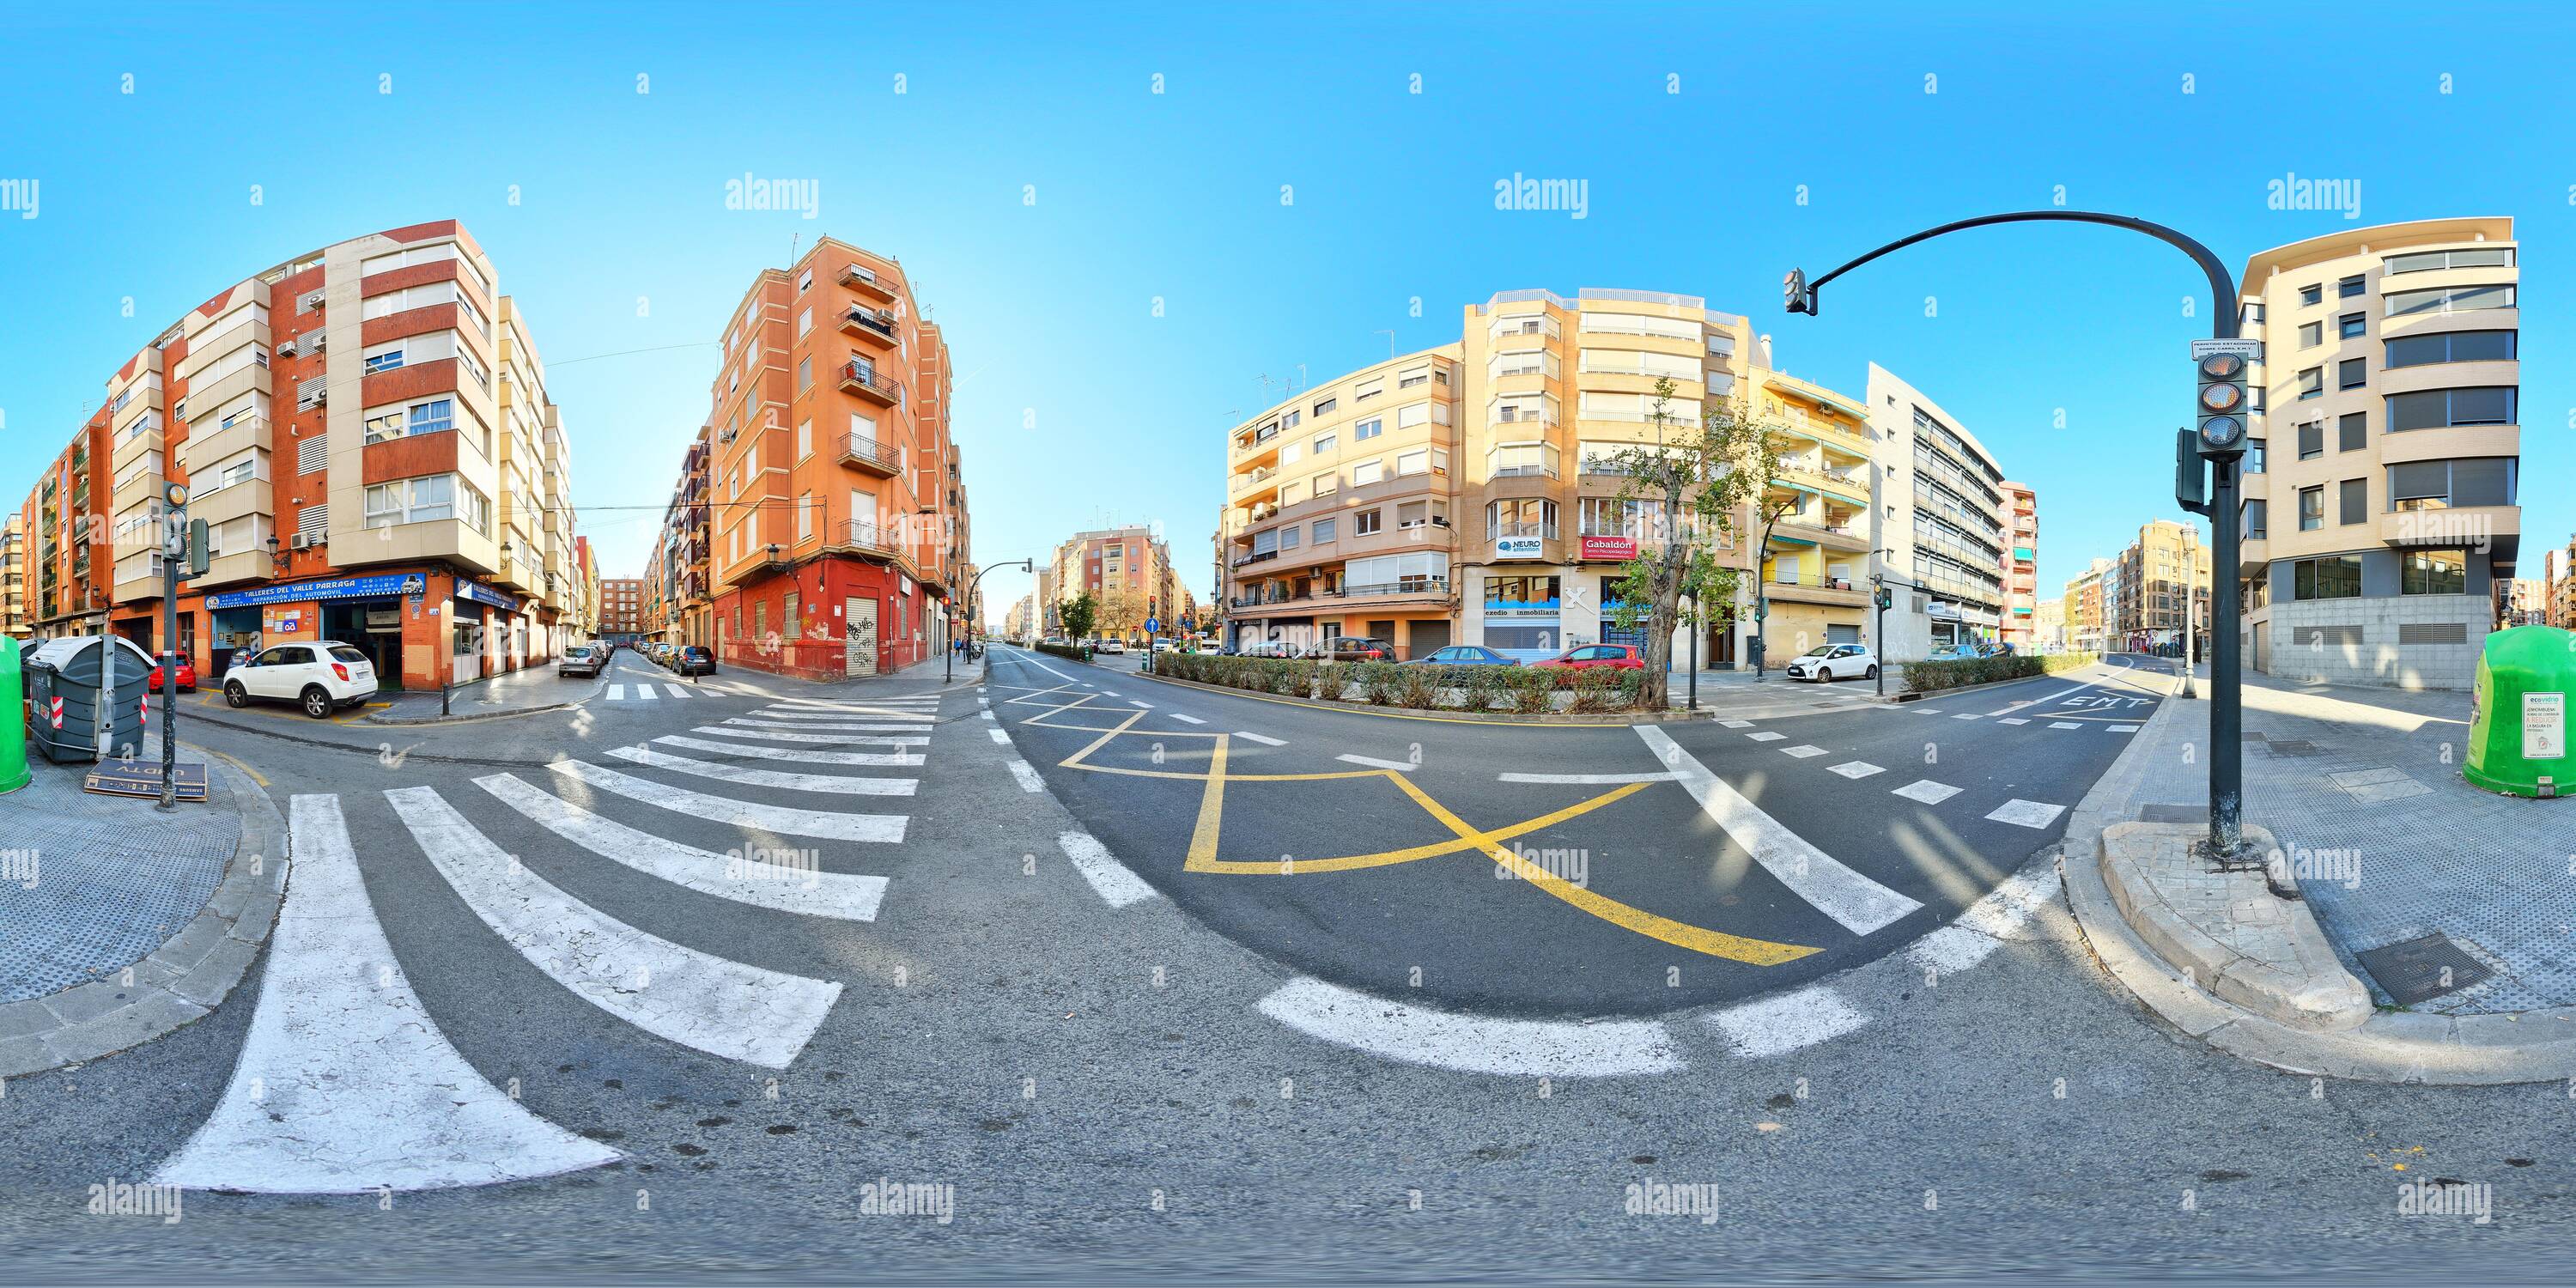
[1115,1082]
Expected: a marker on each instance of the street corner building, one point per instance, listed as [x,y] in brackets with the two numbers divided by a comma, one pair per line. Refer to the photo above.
[344,424]
[2381,521]
[1129,575]
[819,524]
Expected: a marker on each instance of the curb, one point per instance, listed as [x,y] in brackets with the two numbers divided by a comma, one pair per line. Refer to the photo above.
[180,982]
[483,715]
[2390,1046]
[1559,721]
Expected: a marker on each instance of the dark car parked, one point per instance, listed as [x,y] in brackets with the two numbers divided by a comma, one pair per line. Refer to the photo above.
[694,660]
[1352,648]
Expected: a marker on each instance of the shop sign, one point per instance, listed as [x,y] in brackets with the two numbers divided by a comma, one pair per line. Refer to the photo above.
[483,594]
[1518,547]
[377,587]
[1609,547]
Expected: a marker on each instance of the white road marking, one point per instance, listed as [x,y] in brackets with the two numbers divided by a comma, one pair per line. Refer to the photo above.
[1657,776]
[1471,1043]
[1772,1026]
[678,691]
[1399,766]
[1110,879]
[1187,719]
[1927,711]
[826,784]
[2064,724]
[1135,703]
[1854,769]
[800,755]
[1967,715]
[1978,931]
[1029,780]
[987,713]
[1802,751]
[1736,724]
[617,693]
[1860,904]
[1766,736]
[832,726]
[833,739]
[2123,729]
[999,736]
[1926,791]
[645,691]
[846,896]
[2012,720]
[725,809]
[345,1084]
[1263,739]
[2022,813]
[1106,693]
[699,1000]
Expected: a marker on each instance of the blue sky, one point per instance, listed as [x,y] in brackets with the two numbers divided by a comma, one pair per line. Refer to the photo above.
[1044,199]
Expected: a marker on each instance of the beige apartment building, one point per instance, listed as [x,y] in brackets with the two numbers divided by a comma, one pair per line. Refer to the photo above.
[13,577]
[2163,587]
[2381,503]
[1948,527]
[1127,571]
[1465,493]
[2087,626]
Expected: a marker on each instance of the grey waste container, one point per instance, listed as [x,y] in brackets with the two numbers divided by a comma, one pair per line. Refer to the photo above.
[64,680]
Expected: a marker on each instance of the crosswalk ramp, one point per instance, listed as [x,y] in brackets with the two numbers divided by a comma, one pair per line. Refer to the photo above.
[347,1082]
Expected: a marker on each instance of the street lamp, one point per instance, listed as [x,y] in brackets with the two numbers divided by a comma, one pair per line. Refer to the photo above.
[2221,365]
[975,590]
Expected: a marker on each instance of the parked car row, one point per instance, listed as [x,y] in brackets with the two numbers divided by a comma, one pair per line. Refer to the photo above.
[1347,648]
[682,659]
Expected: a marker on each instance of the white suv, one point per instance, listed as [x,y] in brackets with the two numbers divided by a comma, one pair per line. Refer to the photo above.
[1834,662]
[321,676]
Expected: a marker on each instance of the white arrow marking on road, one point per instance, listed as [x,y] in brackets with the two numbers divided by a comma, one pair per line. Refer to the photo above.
[831,739]
[800,755]
[849,897]
[827,784]
[1472,1043]
[725,809]
[1775,1025]
[699,1000]
[1399,766]
[1860,904]
[345,1083]
[1110,879]
[1262,739]
[1593,780]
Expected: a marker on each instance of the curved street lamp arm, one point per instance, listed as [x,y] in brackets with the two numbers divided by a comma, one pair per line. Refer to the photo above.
[2222,283]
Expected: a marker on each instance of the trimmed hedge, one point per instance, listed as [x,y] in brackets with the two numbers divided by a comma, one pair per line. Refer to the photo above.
[1063,651]
[1523,690]
[1933,677]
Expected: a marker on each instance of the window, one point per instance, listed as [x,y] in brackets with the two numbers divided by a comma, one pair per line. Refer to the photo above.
[804,281]
[2312,295]
[421,500]
[1325,407]
[1508,460]
[1370,390]
[1323,444]
[2447,299]
[2350,287]
[1288,537]
[1323,532]
[1327,483]
[1366,523]
[1417,461]
[2437,485]
[1412,514]
[2452,346]
[2311,334]
[804,374]
[2356,501]
[804,439]
[2352,373]
[2312,508]
[2352,432]
[1367,429]
[433,416]
[2482,258]
[2434,572]
[2255,452]
[1367,472]
[465,361]
[1526,517]
[804,321]
[2331,577]
[388,360]
[2256,519]
[2312,382]
[804,515]
[2440,408]
[2312,440]
[1417,376]
[791,618]
[2353,325]
[1417,414]
[1290,420]
[1290,494]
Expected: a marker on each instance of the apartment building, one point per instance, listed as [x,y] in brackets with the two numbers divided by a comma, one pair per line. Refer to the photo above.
[621,609]
[2087,626]
[2021,566]
[1022,615]
[682,605]
[13,576]
[2048,626]
[340,422]
[2562,587]
[1948,528]
[2379,526]
[1127,571]
[2162,588]
[585,573]
[834,524]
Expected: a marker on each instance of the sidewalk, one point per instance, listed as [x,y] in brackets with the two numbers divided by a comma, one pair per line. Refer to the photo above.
[123,921]
[530,688]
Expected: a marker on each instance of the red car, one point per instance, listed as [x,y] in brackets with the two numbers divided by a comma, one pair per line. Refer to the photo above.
[1619,657]
[187,678]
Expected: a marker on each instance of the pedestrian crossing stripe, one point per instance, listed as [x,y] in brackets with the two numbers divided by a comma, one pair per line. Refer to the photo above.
[906,726]
[727,730]
[799,755]
[786,820]
[785,780]
[696,999]
[843,896]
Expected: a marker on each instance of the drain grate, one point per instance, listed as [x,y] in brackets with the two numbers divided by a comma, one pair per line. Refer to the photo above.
[2417,970]
[2293,747]
[2253,737]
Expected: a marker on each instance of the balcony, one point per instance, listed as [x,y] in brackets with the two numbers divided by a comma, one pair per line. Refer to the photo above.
[225,570]
[1830,536]
[2452,527]
[1254,557]
[875,326]
[866,383]
[143,486]
[860,536]
[1808,588]
[870,456]
[1253,484]
[865,281]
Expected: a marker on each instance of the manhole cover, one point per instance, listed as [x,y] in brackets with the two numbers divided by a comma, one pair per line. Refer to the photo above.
[2416,970]
[2293,747]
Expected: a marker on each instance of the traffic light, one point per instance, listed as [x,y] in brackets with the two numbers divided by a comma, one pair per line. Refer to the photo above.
[1794,293]
[2191,473]
[2221,406]
[1886,599]
[197,547]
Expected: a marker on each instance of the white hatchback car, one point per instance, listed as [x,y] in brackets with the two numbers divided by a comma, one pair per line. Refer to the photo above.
[1834,662]
[320,676]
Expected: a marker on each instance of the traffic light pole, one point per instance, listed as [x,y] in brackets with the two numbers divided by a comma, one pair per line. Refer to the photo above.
[2226,694]
[178,528]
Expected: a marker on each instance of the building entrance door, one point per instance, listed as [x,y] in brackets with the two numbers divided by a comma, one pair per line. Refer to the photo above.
[859,636]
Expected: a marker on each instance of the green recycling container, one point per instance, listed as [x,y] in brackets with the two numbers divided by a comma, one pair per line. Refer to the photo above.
[13,733]
[2518,730]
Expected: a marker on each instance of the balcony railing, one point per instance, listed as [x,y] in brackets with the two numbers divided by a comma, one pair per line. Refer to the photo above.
[871,455]
[866,383]
[1406,586]
[863,534]
[866,281]
[1254,558]
[869,323]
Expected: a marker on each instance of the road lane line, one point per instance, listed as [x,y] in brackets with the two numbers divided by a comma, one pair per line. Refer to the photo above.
[1399,766]
[1766,736]
[2013,720]
[841,895]
[699,1000]
[1187,719]
[830,739]
[344,1083]
[1029,780]
[1472,1043]
[725,809]
[679,691]
[1652,776]
[1772,1026]
[1860,904]
[1111,880]
[1137,703]
[2064,724]
[1802,752]
[1967,715]
[826,784]
[1000,736]
[1264,740]
[2123,729]
[1736,724]
[986,713]
[832,726]
[799,755]
[1979,931]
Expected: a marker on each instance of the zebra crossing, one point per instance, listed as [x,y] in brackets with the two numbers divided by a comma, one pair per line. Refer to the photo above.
[346,1082]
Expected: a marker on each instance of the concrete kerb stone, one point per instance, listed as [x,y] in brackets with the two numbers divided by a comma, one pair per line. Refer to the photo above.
[2388,1046]
[178,983]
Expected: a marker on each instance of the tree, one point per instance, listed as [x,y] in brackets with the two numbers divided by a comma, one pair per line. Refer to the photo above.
[1076,615]
[1686,487]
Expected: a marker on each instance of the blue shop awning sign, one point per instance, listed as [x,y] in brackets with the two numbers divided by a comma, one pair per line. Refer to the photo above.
[482,594]
[378,587]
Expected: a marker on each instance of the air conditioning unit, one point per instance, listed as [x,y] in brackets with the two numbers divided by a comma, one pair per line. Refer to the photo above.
[302,542]
[308,301]
[286,347]
[318,340]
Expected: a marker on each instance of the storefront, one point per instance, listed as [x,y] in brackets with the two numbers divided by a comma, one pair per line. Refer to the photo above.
[489,632]
[372,614]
